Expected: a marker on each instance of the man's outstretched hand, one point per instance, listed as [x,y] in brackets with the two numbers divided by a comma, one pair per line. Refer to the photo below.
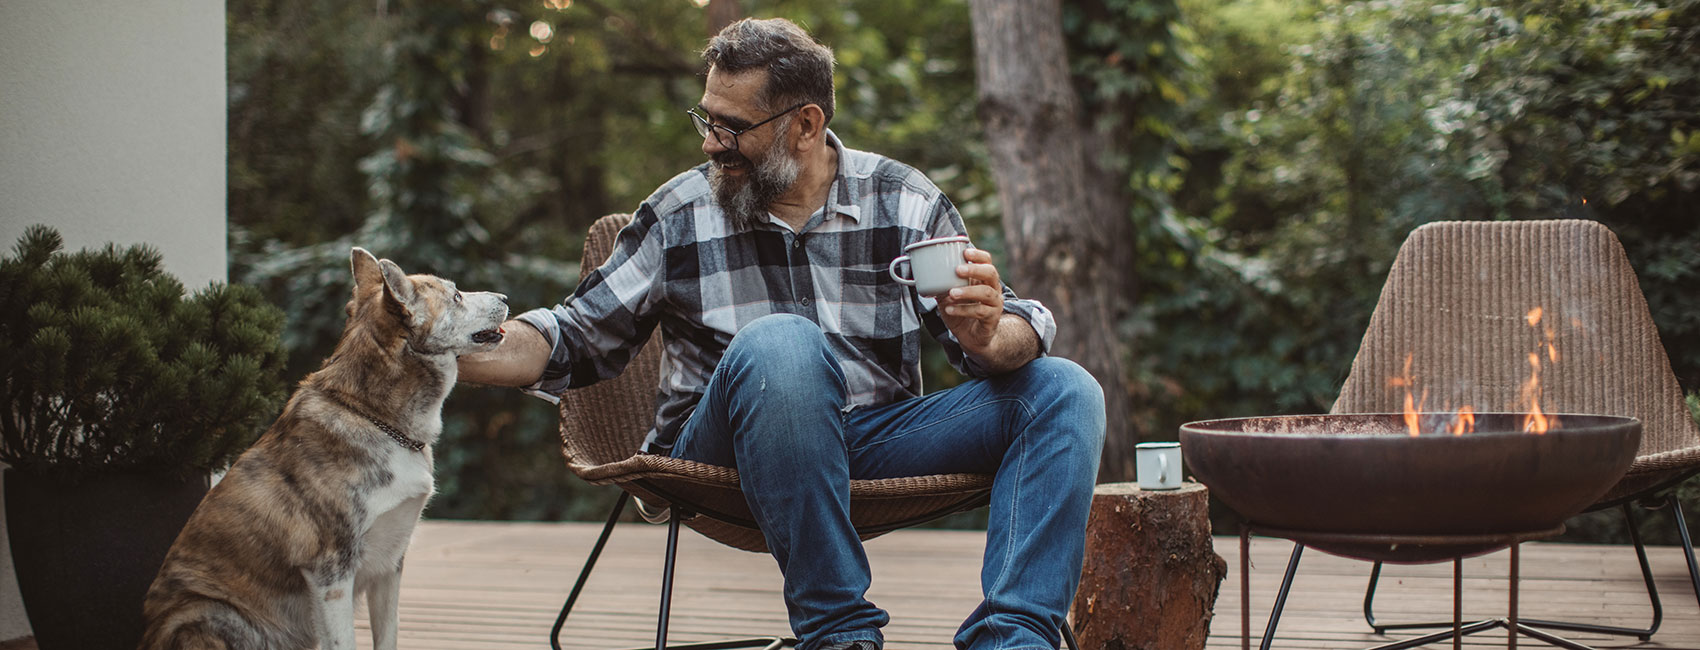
[517,361]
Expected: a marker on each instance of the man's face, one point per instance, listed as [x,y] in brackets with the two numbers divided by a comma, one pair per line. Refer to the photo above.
[748,179]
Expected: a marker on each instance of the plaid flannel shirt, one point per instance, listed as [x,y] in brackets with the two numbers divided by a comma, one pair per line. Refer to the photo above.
[680,265]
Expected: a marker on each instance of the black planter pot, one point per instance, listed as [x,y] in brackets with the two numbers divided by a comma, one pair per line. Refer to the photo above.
[86,551]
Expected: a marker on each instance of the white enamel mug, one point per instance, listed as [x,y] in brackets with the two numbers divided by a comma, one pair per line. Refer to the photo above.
[933,263]
[1158,464]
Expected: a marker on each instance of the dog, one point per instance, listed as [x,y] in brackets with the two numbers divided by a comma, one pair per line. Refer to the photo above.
[322,507]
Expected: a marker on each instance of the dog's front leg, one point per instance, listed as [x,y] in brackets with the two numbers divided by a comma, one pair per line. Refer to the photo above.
[333,594]
[383,598]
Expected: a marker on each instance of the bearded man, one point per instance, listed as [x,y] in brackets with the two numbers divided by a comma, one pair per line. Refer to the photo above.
[792,356]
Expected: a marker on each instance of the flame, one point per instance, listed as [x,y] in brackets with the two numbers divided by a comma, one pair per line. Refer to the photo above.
[1464,423]
[1536,421]
[1412,420]
[1464,420]
[1404,380]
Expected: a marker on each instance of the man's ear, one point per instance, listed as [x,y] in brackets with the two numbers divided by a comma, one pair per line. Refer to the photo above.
[397,286]
[365,267]
[811,127]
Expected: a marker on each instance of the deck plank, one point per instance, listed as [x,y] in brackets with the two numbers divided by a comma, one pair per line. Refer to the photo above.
[499,585]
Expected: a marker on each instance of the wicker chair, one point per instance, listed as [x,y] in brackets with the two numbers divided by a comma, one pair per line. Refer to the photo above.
[602,430]
[1457,302]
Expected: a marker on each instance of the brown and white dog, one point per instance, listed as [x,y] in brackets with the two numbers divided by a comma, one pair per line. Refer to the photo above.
[321,508]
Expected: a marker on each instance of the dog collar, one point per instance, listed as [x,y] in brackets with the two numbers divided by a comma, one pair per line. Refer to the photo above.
[394,434]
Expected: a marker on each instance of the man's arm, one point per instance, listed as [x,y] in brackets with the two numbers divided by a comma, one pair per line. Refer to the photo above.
[1012,346]
[518,361]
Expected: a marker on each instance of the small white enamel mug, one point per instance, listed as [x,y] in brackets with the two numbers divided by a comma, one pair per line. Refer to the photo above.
[1159,465]
[933,263]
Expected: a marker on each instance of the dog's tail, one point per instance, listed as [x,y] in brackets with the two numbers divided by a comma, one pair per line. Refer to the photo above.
[195,636]
[191,628]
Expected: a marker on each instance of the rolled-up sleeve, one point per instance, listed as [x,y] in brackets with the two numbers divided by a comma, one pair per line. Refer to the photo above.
[595,332]
[947,222]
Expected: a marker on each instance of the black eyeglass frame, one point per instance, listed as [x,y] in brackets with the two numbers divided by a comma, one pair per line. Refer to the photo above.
[720,132]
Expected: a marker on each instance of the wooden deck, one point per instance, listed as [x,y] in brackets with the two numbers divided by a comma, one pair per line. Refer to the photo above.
[471,585]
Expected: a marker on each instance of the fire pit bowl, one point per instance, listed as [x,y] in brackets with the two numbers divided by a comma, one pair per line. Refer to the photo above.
[1360,485]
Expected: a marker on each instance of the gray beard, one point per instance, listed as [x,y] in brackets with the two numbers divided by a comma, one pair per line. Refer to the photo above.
[746,203]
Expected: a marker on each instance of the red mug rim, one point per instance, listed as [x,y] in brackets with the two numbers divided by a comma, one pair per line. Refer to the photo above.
[930,242]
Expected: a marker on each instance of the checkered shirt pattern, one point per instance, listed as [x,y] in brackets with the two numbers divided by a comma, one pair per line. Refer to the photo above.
[679,264]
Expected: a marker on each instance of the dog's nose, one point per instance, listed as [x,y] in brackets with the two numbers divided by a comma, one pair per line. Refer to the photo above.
[502,297]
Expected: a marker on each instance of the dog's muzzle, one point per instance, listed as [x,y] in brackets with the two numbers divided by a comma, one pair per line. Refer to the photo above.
[488,336]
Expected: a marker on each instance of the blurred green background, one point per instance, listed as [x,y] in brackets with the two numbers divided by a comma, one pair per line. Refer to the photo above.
[1277,153]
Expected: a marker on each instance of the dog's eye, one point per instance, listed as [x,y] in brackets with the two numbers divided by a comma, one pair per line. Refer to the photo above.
[457,297]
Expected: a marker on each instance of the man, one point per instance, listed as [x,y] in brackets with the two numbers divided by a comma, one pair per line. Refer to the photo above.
[792,355]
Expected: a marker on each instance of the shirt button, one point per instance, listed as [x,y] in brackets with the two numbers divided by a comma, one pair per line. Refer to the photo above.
[798,243]
[805,301]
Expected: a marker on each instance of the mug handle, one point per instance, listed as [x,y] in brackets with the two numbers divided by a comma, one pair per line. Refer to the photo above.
[1163,469]
[893,271]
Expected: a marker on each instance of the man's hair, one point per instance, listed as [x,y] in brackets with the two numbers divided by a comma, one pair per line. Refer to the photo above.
[799,69]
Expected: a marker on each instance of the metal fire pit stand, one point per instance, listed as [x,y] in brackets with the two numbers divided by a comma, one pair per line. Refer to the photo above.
[1666,501]
[1474,545]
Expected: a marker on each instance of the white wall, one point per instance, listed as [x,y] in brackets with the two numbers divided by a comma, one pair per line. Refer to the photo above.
[112,128]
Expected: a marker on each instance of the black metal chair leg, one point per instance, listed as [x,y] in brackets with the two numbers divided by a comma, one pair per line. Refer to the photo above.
[1687,544]
[765,643]
[584,574]
[667,578]
[1068,636]
[1644,634]
[1281,596]
[1369,598]
[1369,608]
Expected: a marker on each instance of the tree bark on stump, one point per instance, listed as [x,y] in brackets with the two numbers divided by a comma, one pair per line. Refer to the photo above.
[1151,575]
[1067,247]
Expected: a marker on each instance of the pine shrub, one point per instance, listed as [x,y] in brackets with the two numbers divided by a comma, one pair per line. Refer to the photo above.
[108,365]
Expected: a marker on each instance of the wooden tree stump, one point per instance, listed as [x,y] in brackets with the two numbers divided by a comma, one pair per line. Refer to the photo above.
[1151,575]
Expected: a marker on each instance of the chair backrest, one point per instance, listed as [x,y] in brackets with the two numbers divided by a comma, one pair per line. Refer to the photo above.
[607,421]
[603,426]
[1460,302]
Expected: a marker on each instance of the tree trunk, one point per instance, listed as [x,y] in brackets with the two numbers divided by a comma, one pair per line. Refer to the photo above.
[722,13]
[1068,245]
[1152,574]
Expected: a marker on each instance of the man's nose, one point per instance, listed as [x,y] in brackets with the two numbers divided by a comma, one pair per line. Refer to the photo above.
[711,146]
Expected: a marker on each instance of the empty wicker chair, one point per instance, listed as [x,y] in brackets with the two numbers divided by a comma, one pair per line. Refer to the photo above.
[603,428]
[1460,304]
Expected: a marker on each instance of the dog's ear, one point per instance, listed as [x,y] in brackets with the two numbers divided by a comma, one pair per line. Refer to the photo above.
[366,273]
[395,280]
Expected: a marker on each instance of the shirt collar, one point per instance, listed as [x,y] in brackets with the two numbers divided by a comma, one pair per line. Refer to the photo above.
[840,199]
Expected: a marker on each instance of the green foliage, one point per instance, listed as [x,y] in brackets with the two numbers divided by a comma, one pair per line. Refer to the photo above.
[1334,128]
[109,366]
[1331,129]
[1275,156]
[478,141]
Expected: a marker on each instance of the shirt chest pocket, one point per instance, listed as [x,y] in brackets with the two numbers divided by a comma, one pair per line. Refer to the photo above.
[870,290]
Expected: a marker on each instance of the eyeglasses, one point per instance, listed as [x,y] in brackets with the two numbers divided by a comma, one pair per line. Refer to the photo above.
[725,136]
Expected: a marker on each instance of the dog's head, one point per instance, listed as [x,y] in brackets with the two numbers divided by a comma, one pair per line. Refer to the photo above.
[431,314]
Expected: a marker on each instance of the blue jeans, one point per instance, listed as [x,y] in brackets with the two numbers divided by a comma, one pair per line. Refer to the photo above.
[775,409]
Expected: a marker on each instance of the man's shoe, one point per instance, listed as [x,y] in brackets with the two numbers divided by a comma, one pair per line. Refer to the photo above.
[653,514]
[853,645]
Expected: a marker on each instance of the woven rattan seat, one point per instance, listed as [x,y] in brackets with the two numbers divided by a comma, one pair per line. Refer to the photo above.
[602,432]
[603,427]
[1458,303]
